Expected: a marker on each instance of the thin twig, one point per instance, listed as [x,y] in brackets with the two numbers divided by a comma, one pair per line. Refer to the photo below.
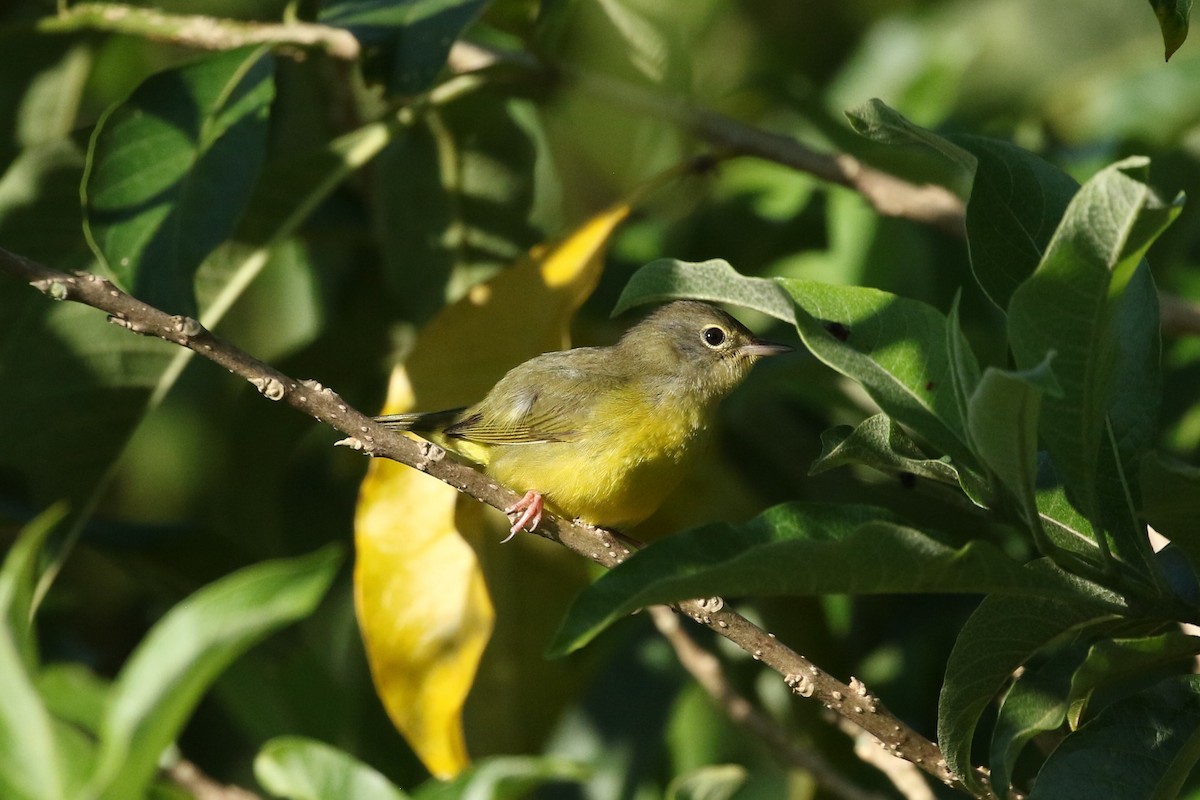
[1179,317]
[706,669]
[191,778]
[888,194]
[891,196]
[199,31]
[854,701]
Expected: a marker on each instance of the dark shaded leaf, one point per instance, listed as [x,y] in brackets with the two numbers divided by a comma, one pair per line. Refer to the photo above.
[1090,302]
[416,34]
[1000,636]
[171,169]
[1034,704]
[1139,748]
[1173,20]
[1171,501]
[1017,200]
[798,549]
[1002,419]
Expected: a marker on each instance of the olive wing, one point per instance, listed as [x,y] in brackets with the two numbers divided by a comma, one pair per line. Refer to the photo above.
[546,399]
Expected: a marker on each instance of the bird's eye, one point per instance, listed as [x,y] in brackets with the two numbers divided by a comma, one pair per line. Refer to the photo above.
[713,336]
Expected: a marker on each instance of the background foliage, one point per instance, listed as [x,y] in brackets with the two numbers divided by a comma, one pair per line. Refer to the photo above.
[321,214]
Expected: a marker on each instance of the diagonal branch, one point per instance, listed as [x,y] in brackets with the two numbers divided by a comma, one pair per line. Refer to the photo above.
[852,702]
[706,669]
[199,31]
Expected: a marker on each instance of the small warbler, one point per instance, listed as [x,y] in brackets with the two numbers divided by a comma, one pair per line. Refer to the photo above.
[602,434]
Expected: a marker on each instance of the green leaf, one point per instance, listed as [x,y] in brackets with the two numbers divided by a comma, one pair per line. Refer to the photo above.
[1034,704]
[505,778]
[1140,748]
[31,766]
[712,782]
[1173,20]
[297,768]
[875,120]
[1105,339]
[797,549]
[964,368]
[895,347]
[455,199]
[416,34]
[18,582]
[1000,636]
[74,694]
[714,280]
[1064,525]
[186,650]
[880,443]
[1017,200]
[171,169]
[1115,662]
[1171,501]
[1002,418]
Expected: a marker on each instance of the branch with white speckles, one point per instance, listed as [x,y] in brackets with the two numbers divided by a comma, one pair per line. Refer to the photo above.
[852,702]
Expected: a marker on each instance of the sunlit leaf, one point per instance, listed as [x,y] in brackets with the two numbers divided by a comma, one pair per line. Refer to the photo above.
[74,694]
[296,768]
[423,608]
[187,649]
[715,281]
[714,782]
[504,778]
[1116,662]
[31,766]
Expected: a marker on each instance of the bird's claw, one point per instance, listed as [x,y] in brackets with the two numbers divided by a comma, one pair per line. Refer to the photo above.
[526,512]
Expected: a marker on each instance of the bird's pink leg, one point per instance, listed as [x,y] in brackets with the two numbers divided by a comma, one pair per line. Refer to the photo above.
[525,512]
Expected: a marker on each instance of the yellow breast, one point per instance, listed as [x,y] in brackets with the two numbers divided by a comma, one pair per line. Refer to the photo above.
[630,455]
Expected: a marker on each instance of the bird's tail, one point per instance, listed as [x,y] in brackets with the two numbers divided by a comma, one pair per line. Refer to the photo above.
[423,422]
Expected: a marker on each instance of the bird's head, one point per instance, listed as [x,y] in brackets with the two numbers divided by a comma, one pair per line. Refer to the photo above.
[693,347]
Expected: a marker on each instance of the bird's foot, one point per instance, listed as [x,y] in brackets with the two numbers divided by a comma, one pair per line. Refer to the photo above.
[526,512]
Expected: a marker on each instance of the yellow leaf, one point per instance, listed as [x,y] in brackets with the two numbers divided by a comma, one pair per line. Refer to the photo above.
[423,608]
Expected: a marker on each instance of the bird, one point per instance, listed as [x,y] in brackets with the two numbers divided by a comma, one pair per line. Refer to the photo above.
[602,434]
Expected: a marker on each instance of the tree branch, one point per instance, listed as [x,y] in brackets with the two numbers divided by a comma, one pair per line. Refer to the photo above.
[199,31]
[852,702]
[192,779]
[891,196]
[706,669]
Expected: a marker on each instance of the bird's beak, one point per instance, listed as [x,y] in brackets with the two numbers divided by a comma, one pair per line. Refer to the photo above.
[758,348]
